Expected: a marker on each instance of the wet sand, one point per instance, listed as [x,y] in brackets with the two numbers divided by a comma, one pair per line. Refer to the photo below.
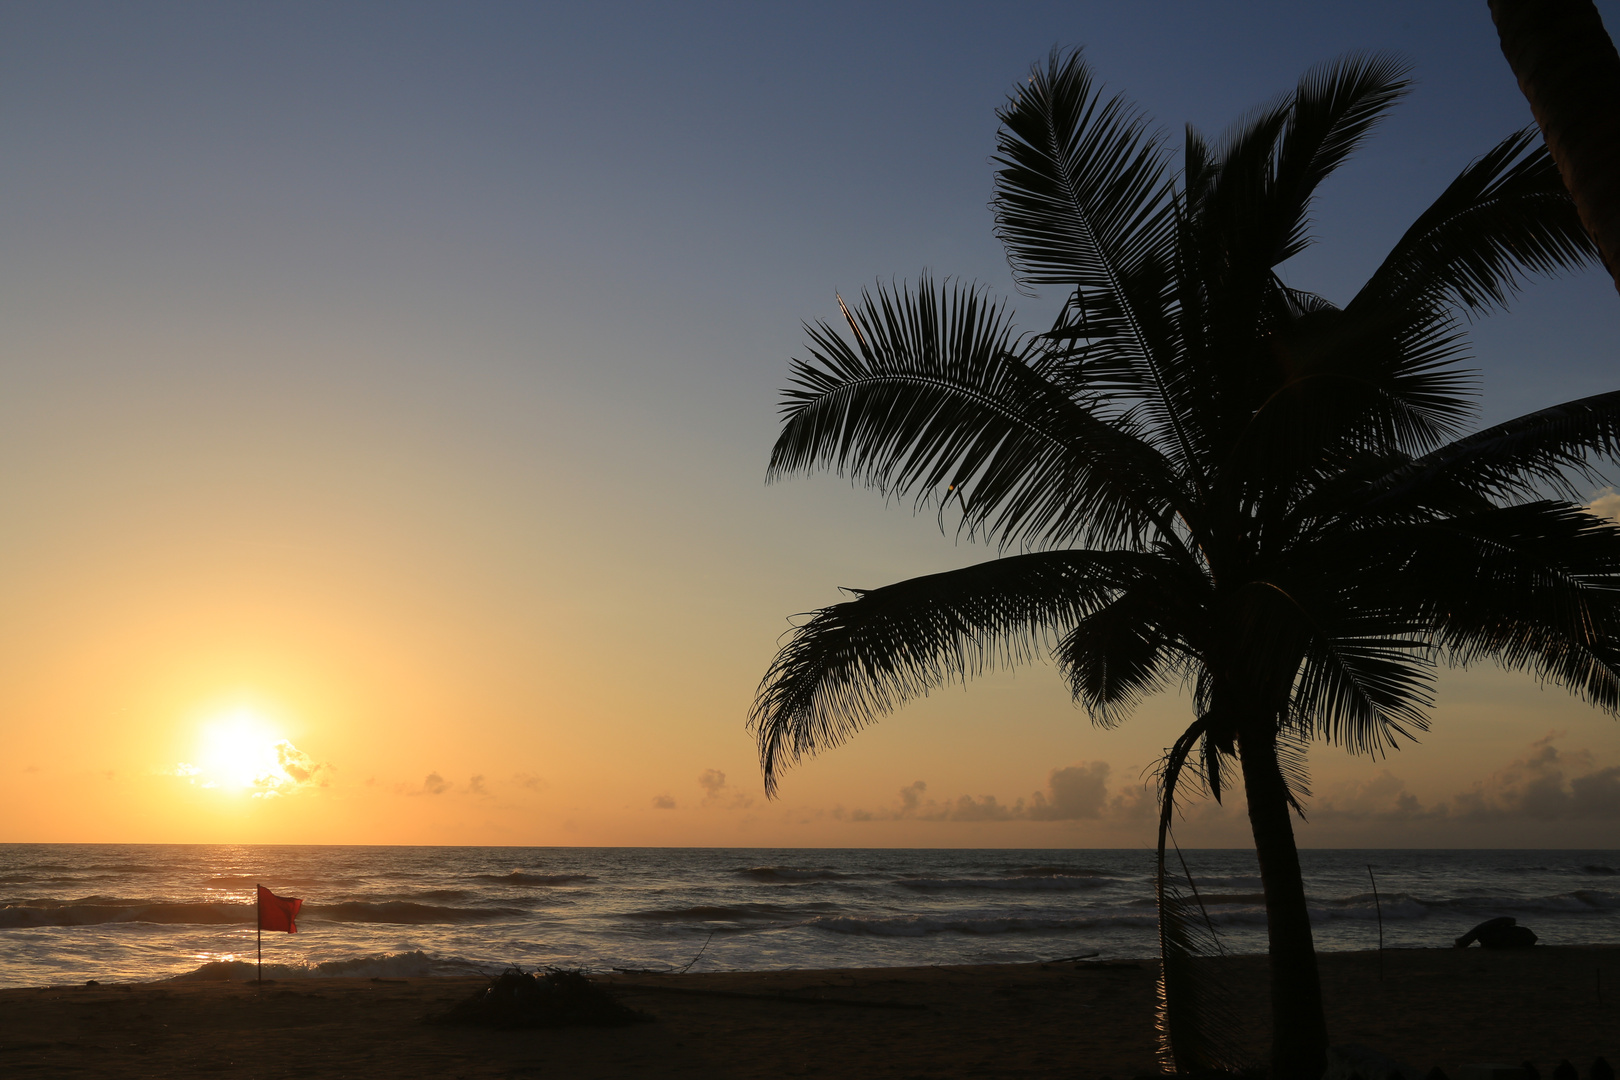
[1086,1021]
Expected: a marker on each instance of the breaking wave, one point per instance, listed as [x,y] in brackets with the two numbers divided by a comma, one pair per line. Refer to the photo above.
[1057,871]
[1241,883]
[416,964]
[1232,898]
[726,913]
[1064,883]
[84,913]
[923,925]
[88,913]
[248,881]
[406,913]
[791,873]
[441,894]
[518,877]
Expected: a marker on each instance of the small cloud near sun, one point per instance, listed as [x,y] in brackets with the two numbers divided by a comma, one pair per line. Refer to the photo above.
[238,753]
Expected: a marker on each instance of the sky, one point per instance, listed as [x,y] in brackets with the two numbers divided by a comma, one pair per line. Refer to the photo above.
[386,392]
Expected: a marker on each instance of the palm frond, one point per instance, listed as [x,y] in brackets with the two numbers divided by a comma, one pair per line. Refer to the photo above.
[1080,195]
[1348,660]
[1293,745]
[1082,201]
[1345,384]
[1116,656]
[853,661]
[1506,215]
[1517,458]
[1197,1026]
[935,396]
[1334,108]
[1366,692]
[1532,588]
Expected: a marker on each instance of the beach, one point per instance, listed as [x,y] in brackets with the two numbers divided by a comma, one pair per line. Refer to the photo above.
[1084,1020]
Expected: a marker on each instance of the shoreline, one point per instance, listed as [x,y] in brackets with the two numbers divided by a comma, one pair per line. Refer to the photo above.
[1090,1019]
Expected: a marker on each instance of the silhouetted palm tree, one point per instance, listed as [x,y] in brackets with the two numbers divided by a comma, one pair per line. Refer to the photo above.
[1208,475]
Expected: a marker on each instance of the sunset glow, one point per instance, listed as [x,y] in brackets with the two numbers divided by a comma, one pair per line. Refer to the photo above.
[239,751]
[386,442]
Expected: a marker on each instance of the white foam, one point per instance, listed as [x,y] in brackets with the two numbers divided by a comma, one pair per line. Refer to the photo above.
[414,964]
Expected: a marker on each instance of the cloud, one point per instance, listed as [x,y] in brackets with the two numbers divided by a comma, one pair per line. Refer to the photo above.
[1605,504]
[432,784]
[300,768]
[1542,784]
[528,780]
[716,792]
[984,808]
[1381,798]
[1545,784]
[912,805]
[1073,792]
[293,771]
[1078,791]
[663,802]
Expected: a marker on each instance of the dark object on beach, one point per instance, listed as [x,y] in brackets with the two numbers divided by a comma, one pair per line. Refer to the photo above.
[1436,1074]
[91,982]
[1601,1070]
[1530,1071]
[550,999]
[1565,1071]
[1503,933]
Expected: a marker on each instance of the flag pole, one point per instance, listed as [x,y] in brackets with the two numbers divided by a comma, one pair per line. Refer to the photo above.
[258,921]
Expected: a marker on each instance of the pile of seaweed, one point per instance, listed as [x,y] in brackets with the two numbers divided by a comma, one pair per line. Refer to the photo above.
[551,998]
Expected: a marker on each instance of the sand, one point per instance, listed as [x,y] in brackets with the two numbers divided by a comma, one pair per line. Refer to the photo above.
[1432,1007]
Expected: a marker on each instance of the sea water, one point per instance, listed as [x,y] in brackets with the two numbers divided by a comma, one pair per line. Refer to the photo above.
[133,912]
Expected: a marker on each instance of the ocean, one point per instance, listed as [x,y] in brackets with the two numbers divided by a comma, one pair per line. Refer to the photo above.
[137,912]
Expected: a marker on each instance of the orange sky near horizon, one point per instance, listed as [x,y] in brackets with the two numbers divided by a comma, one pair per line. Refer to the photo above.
[398,387]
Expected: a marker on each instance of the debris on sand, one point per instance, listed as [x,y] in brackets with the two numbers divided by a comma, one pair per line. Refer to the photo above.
[553,998]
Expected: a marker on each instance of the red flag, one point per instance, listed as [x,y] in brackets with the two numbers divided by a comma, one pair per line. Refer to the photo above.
[278,912]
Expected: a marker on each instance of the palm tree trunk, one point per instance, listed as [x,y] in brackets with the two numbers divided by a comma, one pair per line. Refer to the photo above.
[1299,1037]
[1570,73]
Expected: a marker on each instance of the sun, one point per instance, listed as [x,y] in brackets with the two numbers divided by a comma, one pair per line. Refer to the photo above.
[239,751]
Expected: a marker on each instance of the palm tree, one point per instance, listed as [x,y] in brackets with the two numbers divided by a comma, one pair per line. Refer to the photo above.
[1202,474]
[1570,73]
